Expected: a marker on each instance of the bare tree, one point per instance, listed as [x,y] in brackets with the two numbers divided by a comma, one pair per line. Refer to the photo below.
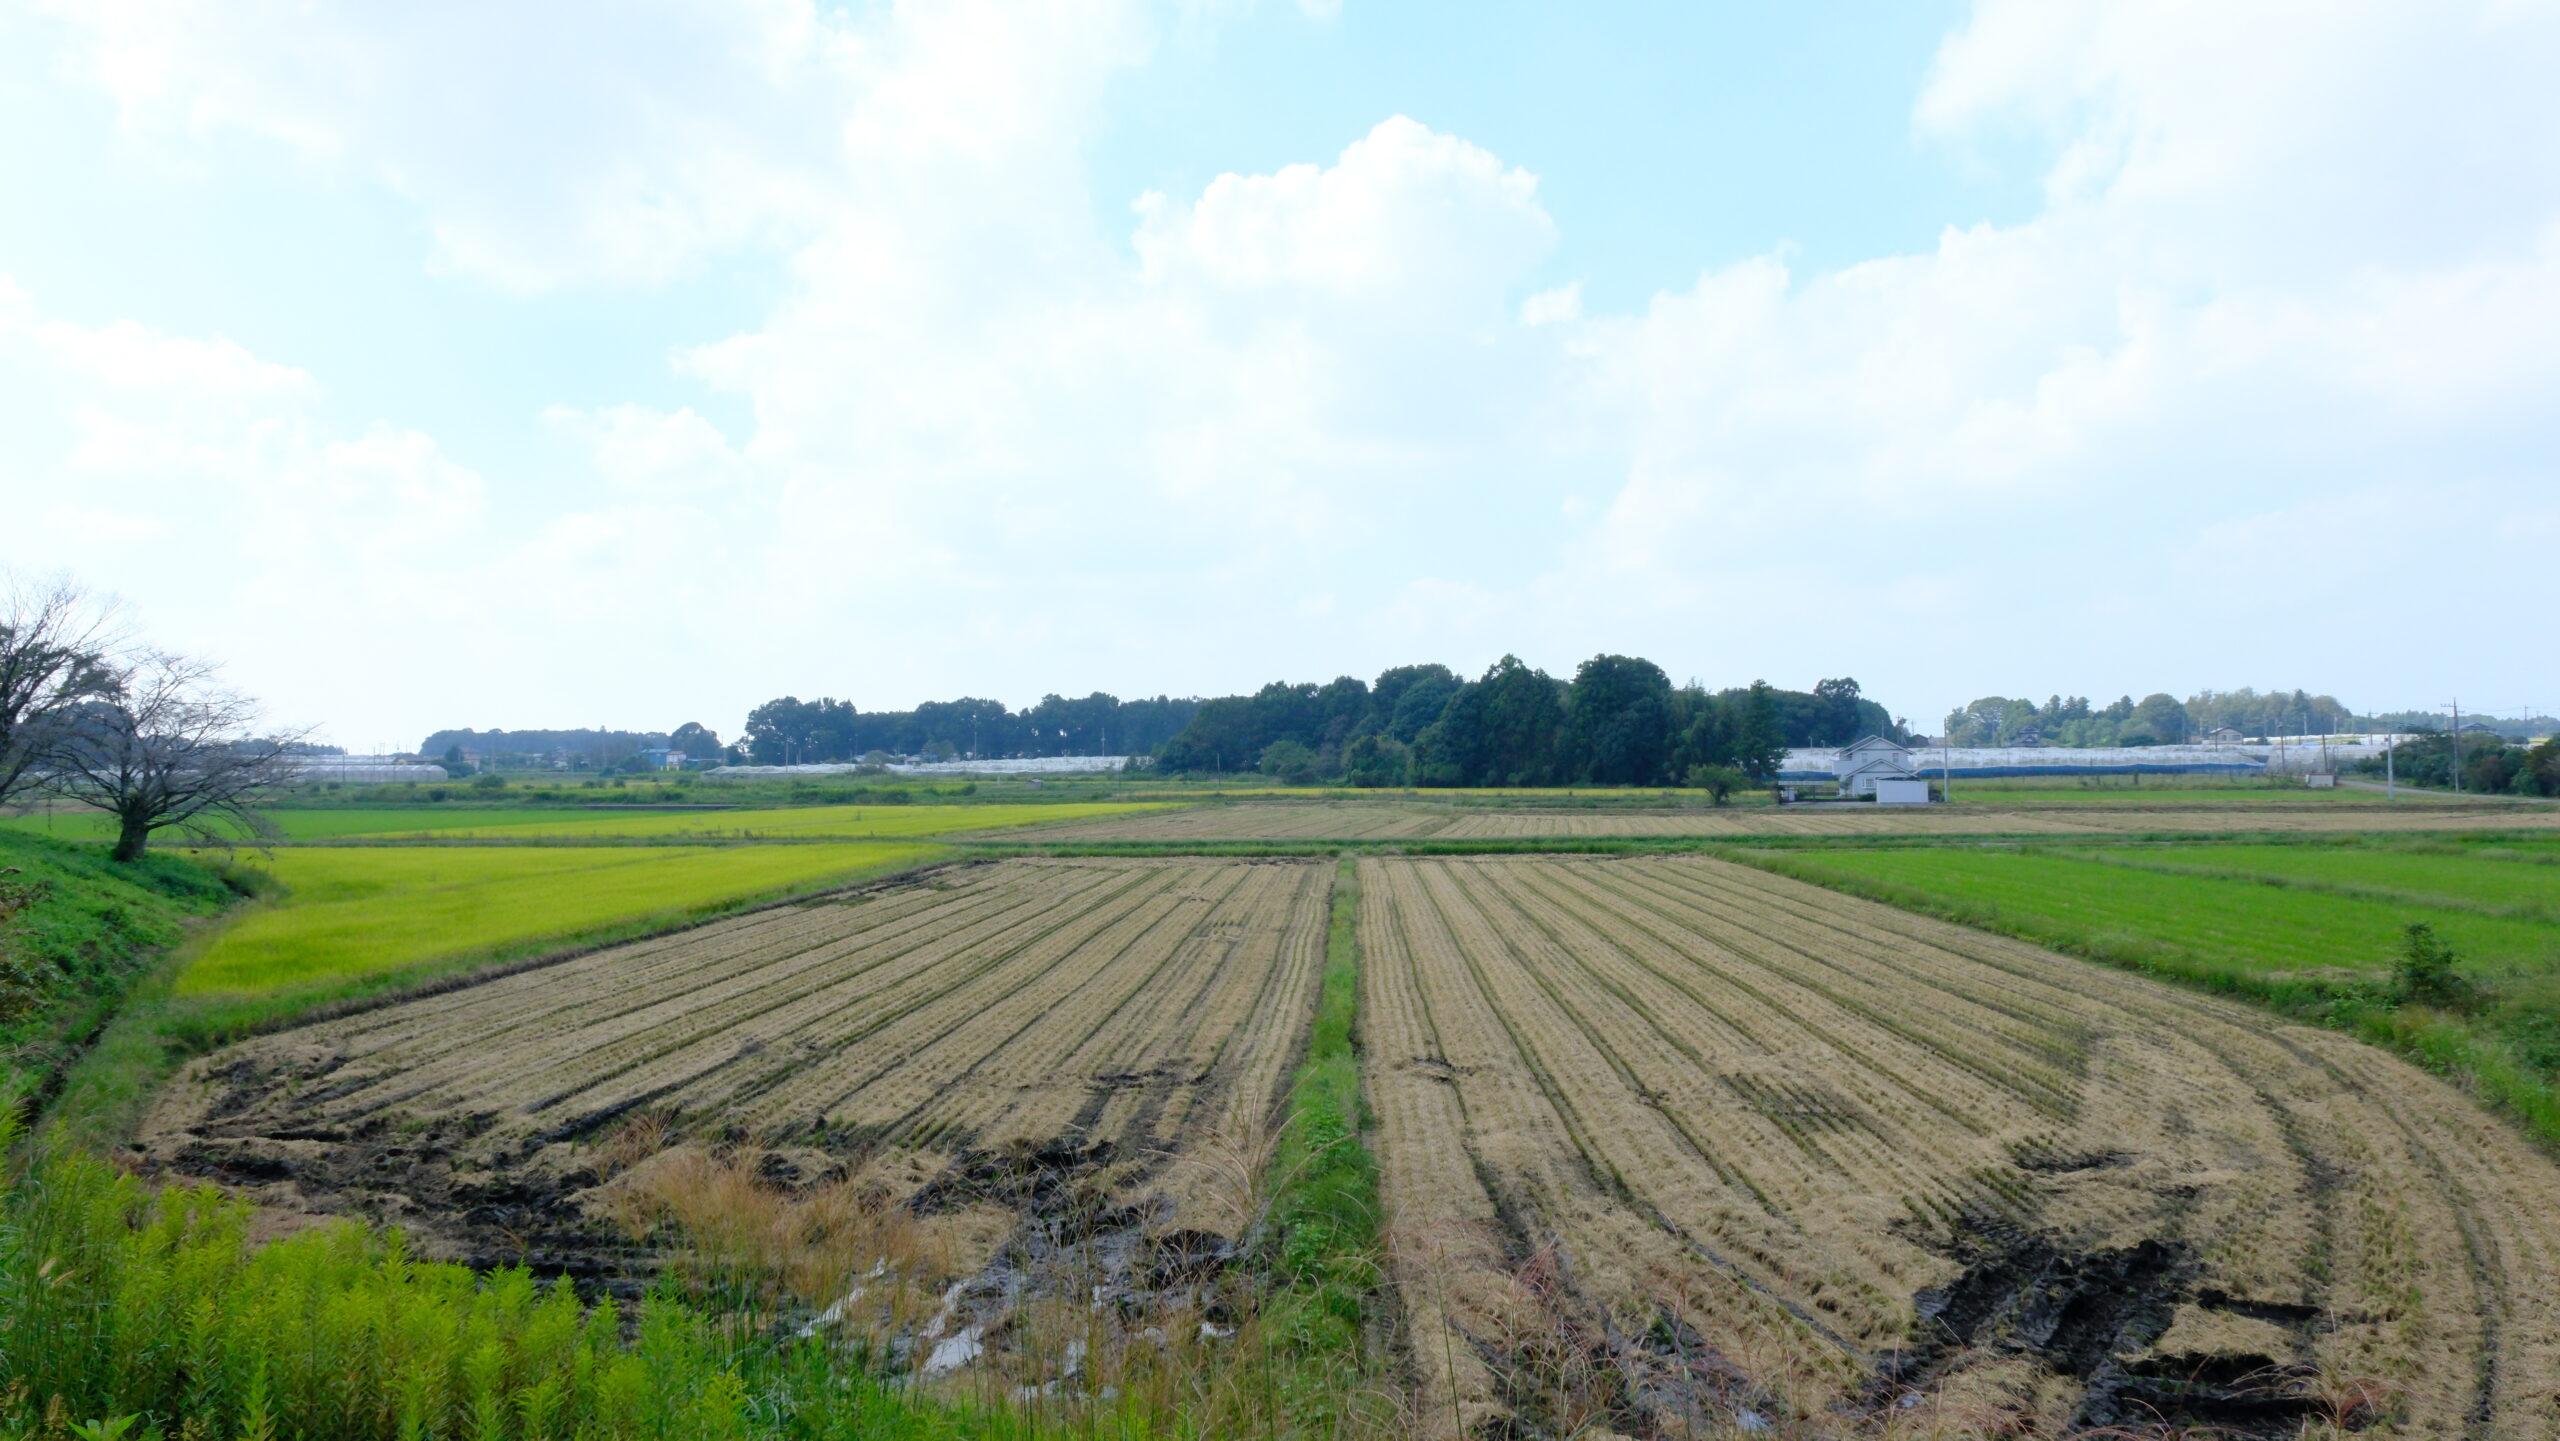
[168,747]
[55,644]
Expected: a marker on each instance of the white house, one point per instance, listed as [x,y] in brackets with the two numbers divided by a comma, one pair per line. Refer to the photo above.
[1861,765]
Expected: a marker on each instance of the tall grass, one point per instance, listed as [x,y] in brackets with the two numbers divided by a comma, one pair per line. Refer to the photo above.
[119,1301]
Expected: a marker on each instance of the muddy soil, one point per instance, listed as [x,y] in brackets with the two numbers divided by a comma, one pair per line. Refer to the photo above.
[2099,1317]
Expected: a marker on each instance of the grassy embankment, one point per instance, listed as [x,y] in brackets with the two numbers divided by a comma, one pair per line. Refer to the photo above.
[76,933]
[2311,931]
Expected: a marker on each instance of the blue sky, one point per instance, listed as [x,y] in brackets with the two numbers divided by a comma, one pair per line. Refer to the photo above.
[631,364]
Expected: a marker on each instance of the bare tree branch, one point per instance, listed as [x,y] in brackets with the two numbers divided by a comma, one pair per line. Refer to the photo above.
[168,747]
[55,644]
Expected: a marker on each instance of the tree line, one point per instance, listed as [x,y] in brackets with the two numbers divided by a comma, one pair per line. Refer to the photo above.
[2489,764]
[150,737]
[791,731]
[2157,719]
[1618,721]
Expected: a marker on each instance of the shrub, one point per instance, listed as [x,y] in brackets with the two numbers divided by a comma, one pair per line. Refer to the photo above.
[1375,760]
[1719,782]
[1290,762]
[2423,971]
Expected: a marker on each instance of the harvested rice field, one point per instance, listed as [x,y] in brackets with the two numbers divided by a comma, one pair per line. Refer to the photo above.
[1673,1147]
[1354,820]
[1019,1062]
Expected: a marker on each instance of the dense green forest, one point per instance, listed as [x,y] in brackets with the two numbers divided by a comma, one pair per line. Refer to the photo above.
[2156,719]
[1618,721]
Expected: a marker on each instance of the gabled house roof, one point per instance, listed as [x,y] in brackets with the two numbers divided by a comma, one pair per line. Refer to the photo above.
[1873,743]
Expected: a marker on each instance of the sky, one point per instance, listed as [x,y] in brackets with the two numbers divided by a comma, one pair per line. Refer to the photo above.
[624,364]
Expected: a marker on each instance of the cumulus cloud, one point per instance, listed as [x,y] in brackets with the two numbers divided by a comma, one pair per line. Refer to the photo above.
[1420,221]
[1273,372]
[2291,258]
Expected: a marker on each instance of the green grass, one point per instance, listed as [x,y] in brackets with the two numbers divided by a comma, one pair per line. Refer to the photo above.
[1329,1265]
[873,822]
[351,912]
[2491,880]
[2260,928]
[76,932]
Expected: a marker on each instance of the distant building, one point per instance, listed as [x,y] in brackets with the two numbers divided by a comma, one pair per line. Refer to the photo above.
[2224,736]
[657,760]
[1891,791]
[1865,762]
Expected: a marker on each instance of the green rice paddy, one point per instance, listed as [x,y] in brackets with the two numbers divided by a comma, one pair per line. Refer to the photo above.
[2232,918]
[358,911]
[2507,880]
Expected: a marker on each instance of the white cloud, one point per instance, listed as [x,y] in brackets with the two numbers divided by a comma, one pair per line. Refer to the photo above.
[1423,222]
[1274,368]
[360,577]
[545,144]
[654,452]
[2293,258]
[1552,307]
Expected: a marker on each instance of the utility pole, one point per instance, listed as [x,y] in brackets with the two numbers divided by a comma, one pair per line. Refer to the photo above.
[2390,782]
[2455,754]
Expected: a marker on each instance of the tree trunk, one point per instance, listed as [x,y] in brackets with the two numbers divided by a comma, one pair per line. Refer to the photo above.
[133,836]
